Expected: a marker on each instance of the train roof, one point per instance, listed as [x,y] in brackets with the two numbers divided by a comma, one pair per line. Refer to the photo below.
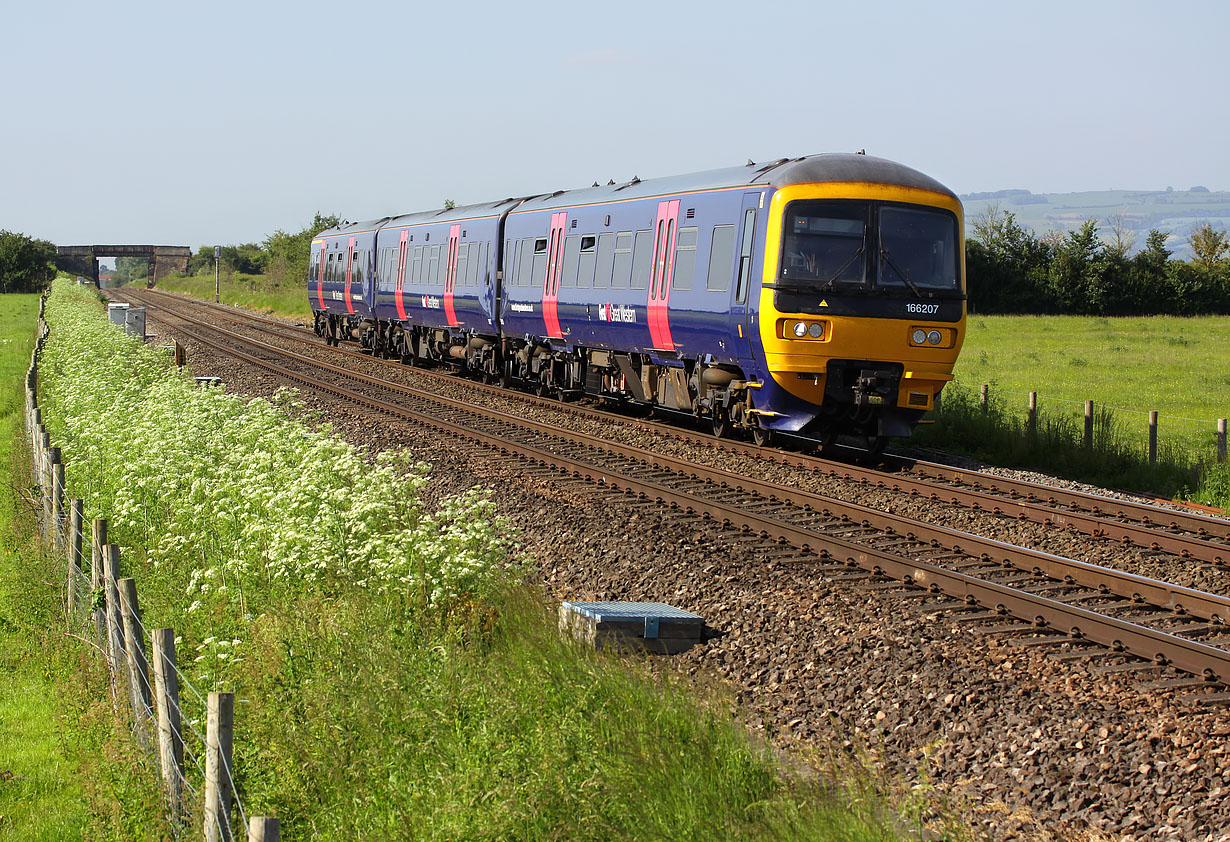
[786,171]
[832,166]
[461,212]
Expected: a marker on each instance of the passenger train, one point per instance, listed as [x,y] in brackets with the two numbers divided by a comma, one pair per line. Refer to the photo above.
[821,295]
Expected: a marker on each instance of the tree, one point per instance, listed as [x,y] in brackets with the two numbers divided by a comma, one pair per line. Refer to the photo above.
[131,270]
[1077,272]
[26,264]
[1209,246]
[1122,237]
[289,254]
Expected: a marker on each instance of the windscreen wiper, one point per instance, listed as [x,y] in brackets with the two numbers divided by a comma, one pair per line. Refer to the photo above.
[888,258]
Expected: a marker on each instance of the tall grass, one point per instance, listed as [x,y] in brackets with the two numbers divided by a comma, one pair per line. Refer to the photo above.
[252,292]
[387,687]
[1056,444]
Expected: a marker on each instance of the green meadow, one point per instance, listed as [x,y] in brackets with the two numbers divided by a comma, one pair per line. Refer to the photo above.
[1179,367]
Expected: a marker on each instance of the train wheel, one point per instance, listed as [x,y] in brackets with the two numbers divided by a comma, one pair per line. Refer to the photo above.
[875,445]
[762,436]
[721,423]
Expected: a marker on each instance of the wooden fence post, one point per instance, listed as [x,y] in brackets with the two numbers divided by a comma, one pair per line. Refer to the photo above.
[983,400]
[264,829]
[115,626]
[1088,425]
[76,513]
[1033,413]
[57,506]
[219,731]
[1221,439]
[134,648]
[36,425]
[170,733]
[52,457]
[1153,437]
[98,539]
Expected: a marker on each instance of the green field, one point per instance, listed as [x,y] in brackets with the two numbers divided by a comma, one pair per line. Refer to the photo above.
[1177,366]
[40,796]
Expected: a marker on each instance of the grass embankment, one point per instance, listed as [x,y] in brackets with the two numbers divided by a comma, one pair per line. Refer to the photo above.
[253,292]
[395,677]
[1126,367]
[39,794]
[61,756]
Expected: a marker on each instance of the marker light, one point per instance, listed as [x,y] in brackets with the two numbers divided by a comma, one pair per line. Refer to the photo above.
[934,337]
[816,330]
[920,336]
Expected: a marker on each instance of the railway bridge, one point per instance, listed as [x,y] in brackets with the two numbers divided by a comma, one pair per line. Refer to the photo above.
[83,260]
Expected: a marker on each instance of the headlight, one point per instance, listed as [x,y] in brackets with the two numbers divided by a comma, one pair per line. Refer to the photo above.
[934,337]
[800,329]
[920,336]
[816,330]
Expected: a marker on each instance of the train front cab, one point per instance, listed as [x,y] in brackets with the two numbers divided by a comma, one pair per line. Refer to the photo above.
[861,307]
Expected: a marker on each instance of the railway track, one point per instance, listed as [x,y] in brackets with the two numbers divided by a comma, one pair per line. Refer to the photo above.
[1088,612]
[1188,535]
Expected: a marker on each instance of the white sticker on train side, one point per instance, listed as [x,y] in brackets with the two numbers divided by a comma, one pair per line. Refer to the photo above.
[521,308]
[609,313]
[431,302]
[337,296]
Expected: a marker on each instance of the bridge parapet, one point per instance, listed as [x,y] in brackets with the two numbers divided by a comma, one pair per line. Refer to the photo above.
[163,260]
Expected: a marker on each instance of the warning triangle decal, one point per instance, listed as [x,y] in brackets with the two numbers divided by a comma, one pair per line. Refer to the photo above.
[823,303]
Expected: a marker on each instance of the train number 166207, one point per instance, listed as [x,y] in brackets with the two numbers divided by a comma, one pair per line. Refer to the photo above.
[927,309]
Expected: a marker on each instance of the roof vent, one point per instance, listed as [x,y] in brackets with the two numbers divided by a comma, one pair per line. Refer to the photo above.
[750,163]
[861,152]
[610,183]
[635,180]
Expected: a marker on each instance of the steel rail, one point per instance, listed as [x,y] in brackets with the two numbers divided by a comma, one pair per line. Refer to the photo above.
[1120,635]
[1087,513]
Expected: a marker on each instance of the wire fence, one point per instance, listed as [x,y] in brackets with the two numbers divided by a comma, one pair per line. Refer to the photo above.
[103,611]
[1203,439]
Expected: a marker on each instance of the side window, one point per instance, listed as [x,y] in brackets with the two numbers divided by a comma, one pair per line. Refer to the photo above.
[416,275]
[685,259]
[623,260]
[433,267]
[585,270]
[721,253]
[572,252]
[606,255]
[463,263]
[510,263]
[329,268]
[642,256]
[745,255]
[539,276]
[478,266]
[525,271]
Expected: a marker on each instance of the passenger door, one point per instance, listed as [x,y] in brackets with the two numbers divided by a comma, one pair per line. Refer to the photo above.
[746,287]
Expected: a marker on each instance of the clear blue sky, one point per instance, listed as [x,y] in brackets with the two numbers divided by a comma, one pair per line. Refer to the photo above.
[221,122]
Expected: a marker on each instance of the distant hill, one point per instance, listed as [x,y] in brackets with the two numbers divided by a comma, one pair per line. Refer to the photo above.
[1172,211]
